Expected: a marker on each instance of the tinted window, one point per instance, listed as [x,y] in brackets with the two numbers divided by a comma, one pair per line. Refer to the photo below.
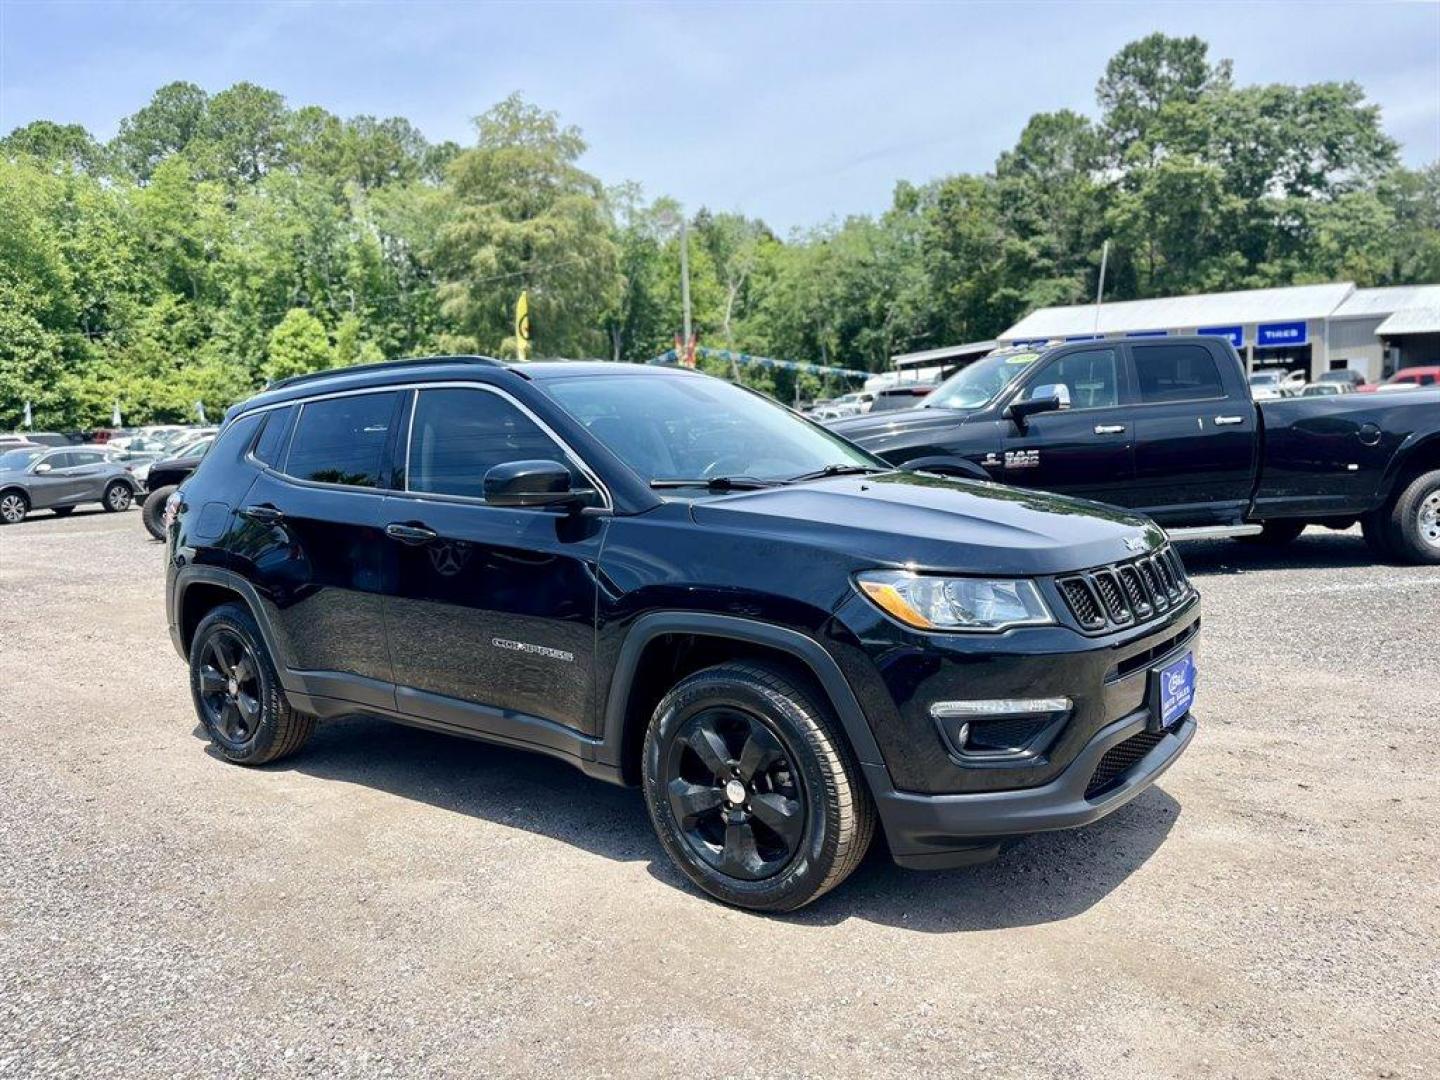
[60,461]
[86,457]
[271,443]
[1177,373]
[457,435]
[342,440]
[1092,377]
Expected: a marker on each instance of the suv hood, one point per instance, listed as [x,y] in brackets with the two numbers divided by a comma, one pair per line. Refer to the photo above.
[938,523]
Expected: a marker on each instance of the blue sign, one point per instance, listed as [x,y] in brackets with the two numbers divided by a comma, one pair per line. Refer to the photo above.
[1233,334]
[1148,333]
[1023,343]
[1276,334]
[1083,337]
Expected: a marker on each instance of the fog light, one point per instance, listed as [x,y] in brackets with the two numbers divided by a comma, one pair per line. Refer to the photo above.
[996,729]
[952,710]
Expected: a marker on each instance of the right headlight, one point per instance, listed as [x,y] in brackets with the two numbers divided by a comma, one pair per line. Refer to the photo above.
[930,602]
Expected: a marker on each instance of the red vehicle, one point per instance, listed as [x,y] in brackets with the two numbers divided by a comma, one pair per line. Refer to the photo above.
[1407,378]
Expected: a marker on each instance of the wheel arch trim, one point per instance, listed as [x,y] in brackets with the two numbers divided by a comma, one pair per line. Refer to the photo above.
[1413,446]
[801,647]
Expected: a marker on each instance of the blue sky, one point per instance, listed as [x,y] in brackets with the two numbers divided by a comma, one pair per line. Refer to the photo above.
[794,112]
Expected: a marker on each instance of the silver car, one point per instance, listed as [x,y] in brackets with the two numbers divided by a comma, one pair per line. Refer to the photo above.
[60,479]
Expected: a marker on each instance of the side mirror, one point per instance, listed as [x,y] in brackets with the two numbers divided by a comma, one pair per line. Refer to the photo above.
[43,468]
[529,483]
[1043,399]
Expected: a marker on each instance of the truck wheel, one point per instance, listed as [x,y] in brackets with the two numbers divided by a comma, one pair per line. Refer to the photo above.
[118,496]
[1277,533]
[237,692]
[1414,527]
[753,791]
[153,512]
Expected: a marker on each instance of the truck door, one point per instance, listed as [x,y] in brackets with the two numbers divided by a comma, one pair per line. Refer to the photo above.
[1085,448]
[1195,437]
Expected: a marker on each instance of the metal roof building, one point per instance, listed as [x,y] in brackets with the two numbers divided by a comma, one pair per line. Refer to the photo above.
[1313,328]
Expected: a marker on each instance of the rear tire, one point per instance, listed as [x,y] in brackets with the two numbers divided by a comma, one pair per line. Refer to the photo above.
[13,507]
[118,496]
[237,691]
[152,513]
[1277,533]
[1413,528]
[771,811]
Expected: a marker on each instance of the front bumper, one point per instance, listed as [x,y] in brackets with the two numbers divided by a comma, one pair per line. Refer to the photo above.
[933,832]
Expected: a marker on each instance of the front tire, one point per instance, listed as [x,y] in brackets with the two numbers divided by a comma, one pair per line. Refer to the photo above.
[1413,529]
[13,507]
[118,496]
[237,692]
[752,788]
[152,513]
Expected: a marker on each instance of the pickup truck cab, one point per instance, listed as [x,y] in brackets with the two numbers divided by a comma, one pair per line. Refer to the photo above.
[1170,429]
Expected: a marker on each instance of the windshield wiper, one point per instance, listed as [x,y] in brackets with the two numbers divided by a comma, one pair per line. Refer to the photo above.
[716,483]
[835,470]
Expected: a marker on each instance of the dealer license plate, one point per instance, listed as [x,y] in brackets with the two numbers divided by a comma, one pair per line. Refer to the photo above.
[1174,690]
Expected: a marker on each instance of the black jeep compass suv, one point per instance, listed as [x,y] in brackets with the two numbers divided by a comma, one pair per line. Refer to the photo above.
[674,582]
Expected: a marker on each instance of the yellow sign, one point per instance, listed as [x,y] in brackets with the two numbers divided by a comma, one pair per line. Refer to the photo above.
[522,324]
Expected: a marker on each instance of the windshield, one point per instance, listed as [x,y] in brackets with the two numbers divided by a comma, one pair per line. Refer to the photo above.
[981,382]
[679,427]
[11,460]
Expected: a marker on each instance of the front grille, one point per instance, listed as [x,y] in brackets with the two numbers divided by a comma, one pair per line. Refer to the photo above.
[1127,593]
[1119,760]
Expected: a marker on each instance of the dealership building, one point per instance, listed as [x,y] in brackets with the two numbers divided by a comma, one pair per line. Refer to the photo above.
[1309,328]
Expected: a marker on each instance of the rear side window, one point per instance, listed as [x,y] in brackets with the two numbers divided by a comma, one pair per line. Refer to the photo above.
[86,457]
[1176,373]
[457,435]
[342,440]
[271,443]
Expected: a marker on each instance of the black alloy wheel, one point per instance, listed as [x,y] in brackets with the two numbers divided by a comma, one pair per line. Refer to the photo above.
[230,691]
[735,794]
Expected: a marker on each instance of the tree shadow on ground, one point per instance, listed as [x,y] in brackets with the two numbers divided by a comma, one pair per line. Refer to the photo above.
[1042,879]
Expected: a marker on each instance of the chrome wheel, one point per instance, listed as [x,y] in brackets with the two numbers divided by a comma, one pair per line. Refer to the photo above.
[119,497]
[230,688]
[734,794]
[12,508]
[1428,519]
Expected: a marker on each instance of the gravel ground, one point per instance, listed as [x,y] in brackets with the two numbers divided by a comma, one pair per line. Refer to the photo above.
[392,902]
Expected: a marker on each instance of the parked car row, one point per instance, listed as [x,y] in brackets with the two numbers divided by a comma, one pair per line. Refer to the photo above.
[1268,384]
[59,475]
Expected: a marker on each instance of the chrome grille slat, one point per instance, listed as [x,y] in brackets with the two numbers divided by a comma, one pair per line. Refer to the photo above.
[1126,593]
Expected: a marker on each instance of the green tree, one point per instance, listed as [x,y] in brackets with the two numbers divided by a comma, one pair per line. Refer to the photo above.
[298,345]
[173,119]
[523,215]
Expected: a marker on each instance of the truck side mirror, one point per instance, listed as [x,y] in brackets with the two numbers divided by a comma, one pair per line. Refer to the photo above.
[1046,398]
[529,483]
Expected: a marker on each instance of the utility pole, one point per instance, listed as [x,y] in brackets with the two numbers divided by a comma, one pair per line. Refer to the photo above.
[685,277]
[1100,288]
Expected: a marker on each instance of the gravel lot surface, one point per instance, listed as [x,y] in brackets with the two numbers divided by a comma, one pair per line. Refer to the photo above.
[392,902]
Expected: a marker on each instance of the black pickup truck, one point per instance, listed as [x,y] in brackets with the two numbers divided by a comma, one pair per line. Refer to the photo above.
[1169,428]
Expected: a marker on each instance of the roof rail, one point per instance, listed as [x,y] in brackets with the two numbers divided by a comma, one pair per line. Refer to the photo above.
[384,365]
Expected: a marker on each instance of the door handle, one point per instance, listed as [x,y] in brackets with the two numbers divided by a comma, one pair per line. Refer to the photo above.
[1228,421]
[410,534]
[266,515]
[1109,429]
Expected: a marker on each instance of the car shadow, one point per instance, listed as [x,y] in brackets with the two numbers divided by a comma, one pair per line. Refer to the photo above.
[39,517]
[1316,548]
[1042,879]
